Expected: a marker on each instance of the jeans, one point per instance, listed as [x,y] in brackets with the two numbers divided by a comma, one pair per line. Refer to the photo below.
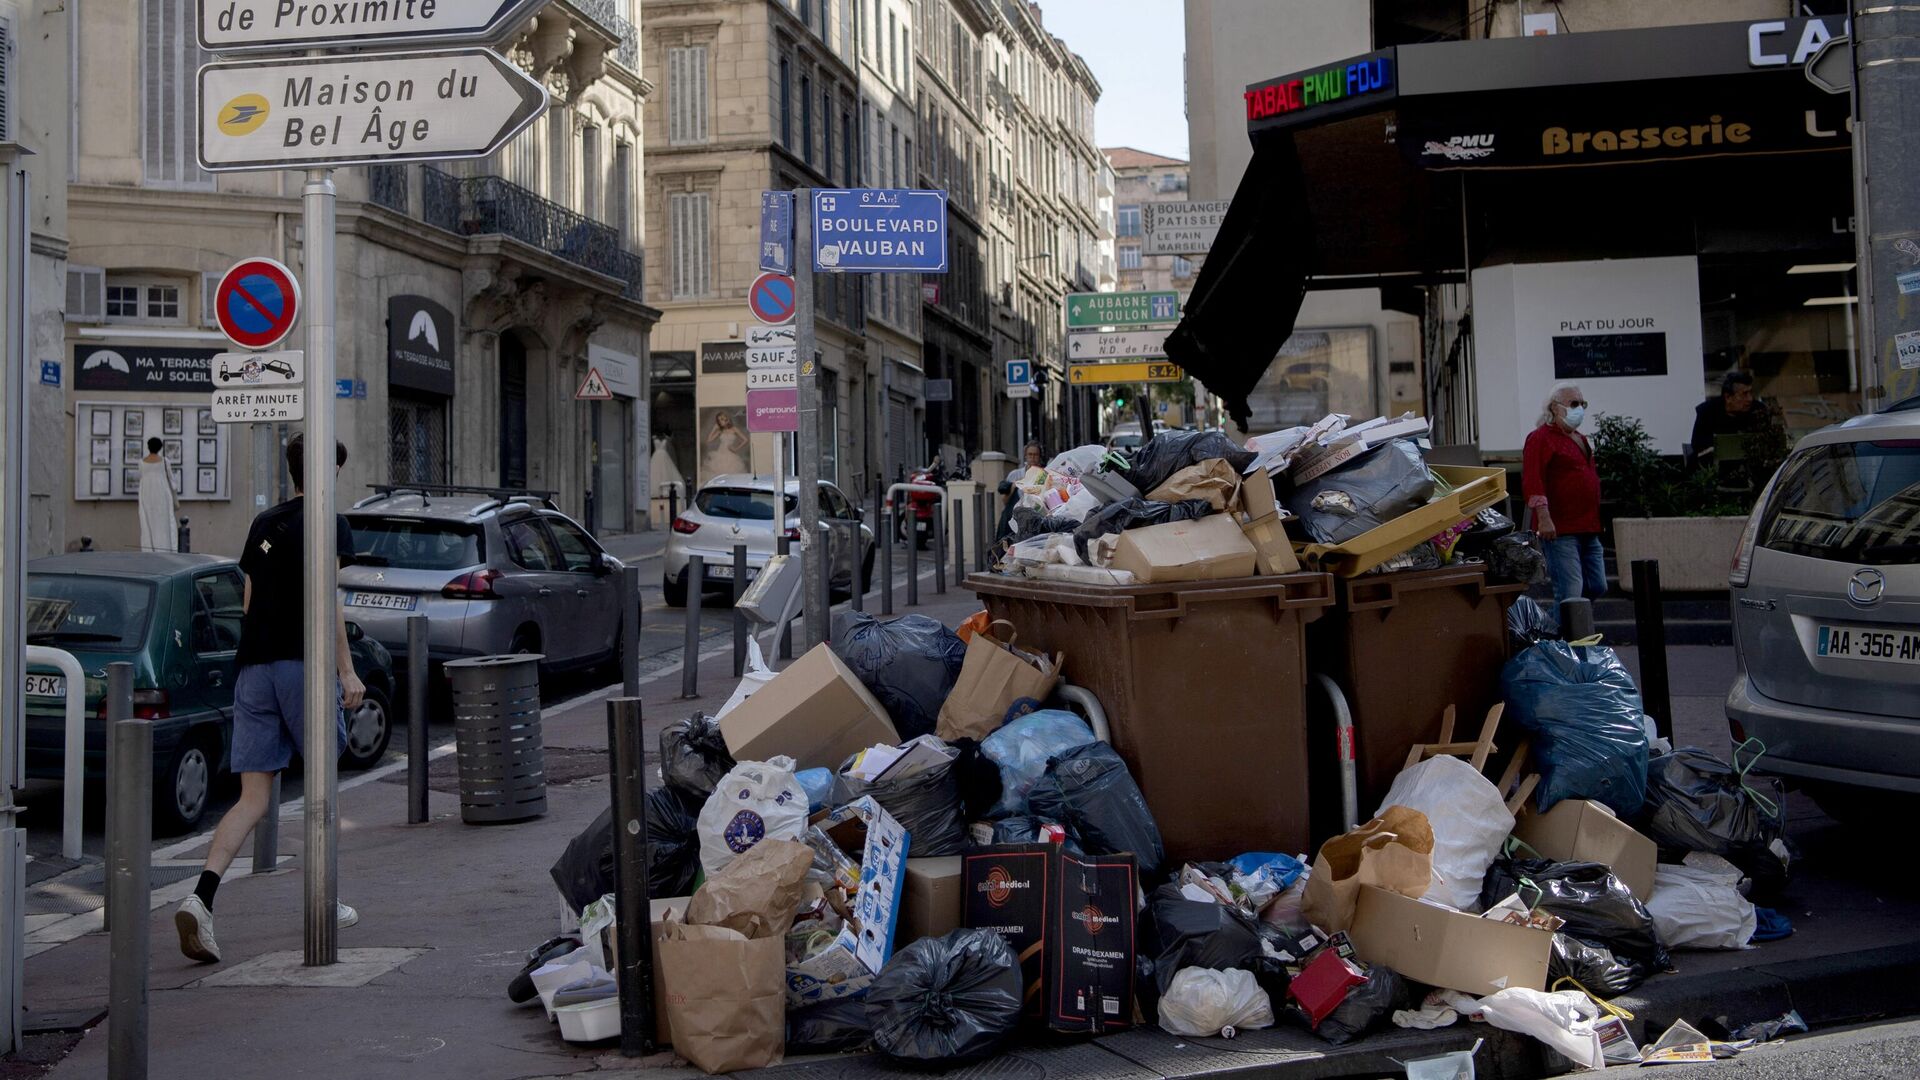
[1577,566]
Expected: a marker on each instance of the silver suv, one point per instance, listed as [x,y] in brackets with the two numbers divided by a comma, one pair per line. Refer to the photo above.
[1826,614]
[738,509]
[493,574]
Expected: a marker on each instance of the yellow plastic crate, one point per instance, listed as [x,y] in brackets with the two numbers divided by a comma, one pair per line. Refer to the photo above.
[1474,489]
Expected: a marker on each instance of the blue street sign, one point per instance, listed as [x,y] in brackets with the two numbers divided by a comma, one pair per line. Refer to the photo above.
[1164,308]
[343,388]
[50,373]
[1019,373]
[880,230]
[776,231]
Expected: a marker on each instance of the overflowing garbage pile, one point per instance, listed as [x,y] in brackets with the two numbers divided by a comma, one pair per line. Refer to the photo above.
[925,841]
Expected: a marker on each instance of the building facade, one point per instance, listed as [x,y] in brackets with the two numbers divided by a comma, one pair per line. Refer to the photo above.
[474,296]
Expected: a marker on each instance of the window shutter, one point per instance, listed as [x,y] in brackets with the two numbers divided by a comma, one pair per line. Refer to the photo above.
[697,75]
[703,268]
[86,294]
[209,294]
[6,79]
[676,95]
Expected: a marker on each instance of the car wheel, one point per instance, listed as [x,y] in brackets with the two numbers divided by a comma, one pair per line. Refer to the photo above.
[674,589]
[181,790]
[369,730]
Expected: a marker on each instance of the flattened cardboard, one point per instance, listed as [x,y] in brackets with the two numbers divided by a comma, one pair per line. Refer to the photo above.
[865,945]
[816,712]
[930,906]
[1007,888]
[1090,969]
[1198,550]
[1446,948]
[1585,831]
[1272,549]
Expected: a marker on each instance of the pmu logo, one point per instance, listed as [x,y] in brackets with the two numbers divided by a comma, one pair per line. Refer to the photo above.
[1094,919]
[1000,886]
[1460,148]
[244,114]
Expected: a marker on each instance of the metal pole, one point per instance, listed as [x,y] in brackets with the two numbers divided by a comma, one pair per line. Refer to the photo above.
[1650,631]
[417,675]
[785,547]
[886,562]
[632,909]
[630,631]
[690,649]
[673,503]
[1576,618]
[739,617]
[939,542]
[266,833]
[825,594]
[813,563]
[913,562]
[1886,47]
[980,510]
[13,598]
[184,542]
[322,576]
[128,863]
[119,707]
[959,540]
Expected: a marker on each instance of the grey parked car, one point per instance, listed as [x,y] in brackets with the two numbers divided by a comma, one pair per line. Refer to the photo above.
[736,508]
[1826,613]
[492,574]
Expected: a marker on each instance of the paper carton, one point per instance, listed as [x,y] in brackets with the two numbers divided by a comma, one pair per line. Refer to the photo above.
[866,944]
[816,712]
[1257,499]
[1450,949]
[1090,969]
[1272,549]
[1586,831]
[930,906]
[1005,888]
[1198,550]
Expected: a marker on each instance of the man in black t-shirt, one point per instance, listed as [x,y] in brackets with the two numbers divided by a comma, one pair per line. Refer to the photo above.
[269,690]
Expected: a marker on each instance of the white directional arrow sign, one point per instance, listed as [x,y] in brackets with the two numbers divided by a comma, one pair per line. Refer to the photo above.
[233,26]
[365,109]
[1142,344]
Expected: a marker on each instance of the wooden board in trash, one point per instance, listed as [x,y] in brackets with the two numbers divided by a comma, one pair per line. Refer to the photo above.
[1474,489]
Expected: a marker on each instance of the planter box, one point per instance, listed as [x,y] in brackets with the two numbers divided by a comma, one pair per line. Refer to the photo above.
[1694,552]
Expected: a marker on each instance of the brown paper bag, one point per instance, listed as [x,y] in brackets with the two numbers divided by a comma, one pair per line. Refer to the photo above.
[1213,480]
[757,892]
[1393,851]
[992,679]
[726,996]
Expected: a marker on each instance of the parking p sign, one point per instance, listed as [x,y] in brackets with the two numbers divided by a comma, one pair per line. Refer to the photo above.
[1019,373]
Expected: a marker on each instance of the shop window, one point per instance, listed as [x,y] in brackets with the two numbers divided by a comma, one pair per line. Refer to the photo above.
[417,441]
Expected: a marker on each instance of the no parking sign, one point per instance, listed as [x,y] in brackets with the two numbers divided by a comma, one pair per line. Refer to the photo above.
[257,303]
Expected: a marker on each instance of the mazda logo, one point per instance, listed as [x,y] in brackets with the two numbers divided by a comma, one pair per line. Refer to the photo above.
[1866,585]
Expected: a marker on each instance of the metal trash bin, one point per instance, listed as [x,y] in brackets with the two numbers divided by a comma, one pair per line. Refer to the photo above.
[496,718]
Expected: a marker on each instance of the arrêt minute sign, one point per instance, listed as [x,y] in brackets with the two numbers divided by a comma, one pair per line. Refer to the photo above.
[1322,92]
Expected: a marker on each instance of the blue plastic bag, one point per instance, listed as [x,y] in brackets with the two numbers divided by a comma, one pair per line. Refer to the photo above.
[1022,749]
[1583,711]
[818,784]
[1282,870]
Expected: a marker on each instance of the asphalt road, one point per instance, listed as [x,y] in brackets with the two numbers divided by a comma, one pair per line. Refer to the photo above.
[1888,1051]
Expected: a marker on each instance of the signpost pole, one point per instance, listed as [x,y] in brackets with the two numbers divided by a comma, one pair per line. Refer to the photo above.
[813,554]
[322,618]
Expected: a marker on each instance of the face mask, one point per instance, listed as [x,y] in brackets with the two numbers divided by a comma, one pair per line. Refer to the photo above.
[1575,416]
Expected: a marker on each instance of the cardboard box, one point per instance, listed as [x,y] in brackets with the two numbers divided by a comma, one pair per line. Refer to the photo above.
[849,965]
[1198,550]
[930,906]
[1090,969]
[1005,888]
[1272,548]
[816,712]
[1586,831]
[1446,948]
[1257,498]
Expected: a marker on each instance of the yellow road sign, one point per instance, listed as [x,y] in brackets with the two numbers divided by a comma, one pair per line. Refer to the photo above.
[1141,371]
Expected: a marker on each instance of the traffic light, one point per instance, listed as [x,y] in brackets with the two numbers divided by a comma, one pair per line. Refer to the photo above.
[1120,399]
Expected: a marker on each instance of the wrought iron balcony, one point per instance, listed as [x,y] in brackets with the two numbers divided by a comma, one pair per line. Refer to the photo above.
[387,186]
[489,205]
[602,12]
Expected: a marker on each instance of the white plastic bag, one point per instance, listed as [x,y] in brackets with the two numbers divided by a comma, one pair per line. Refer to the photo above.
[1563,1021]
[1078,461]
[1082,503]
[757,675]
[756,801]
[1203,1002]
[1470,822]
[1696,907]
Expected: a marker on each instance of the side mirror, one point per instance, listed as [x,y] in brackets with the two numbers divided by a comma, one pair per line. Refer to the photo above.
[859,513]
[601,567]
[354,633]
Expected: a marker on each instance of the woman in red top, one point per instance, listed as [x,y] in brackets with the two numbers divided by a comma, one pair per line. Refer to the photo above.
[1563,491]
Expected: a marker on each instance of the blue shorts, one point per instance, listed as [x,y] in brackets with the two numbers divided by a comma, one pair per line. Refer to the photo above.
[268,716]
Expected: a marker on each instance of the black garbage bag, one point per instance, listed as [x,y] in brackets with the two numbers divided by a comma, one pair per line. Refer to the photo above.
[520,989]
[1517,559]
[1697,802]
[910,663]
[927,805]
[1135,514]
[830,1027]
[1025,829]
[1180,933]
[1593,967]
[946,1000]
[979,780]
[584,871]
[1367,1007]
[1528,624]
[1372,489]
[693,755]
[1488,525]
[1170,451]
[1600,911]
[1089,790]
[1583,710]
[1025,523]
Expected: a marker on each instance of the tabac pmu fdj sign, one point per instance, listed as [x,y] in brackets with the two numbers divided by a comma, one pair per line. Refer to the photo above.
[231,26]
[364,109]
[880,230]
[1087,311]
[1328,91]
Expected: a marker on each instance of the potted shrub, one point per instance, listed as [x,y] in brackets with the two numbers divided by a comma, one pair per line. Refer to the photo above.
[1687,519]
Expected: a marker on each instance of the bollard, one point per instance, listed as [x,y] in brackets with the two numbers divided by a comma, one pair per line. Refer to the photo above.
[785,547]
[630,632]
[959,540]
[826,575]
[186,537]
[739,617]
[913,567]
[1576,618]
[886,562]
[981,509]
[1650,630]
[939,543]
[673,504]
[130,806]
[119,707]
[417,669]
[266,834]
[690,651]
[632,907]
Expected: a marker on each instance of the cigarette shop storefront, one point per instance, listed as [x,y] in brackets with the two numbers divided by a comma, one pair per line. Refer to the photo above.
[1641,210]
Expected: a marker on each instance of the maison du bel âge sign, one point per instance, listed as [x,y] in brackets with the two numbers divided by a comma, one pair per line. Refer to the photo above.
[880,230]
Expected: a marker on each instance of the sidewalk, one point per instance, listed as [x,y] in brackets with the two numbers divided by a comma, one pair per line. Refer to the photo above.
[448,909]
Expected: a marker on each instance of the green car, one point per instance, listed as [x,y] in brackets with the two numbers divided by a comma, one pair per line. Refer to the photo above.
[176,619]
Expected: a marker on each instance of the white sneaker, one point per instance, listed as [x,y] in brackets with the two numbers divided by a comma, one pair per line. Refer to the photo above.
[195,924]
[347,916]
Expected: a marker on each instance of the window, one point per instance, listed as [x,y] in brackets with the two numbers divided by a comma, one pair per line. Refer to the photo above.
[623,190]
[577,553]
[104,614]
[1129,258]
[806,119]
[846,147]
[1182,267]
[806,12]
[742,503]
[590,173]
[413,544]
[692,275]
[529,546]
[826,130]
[1129,221]
[132,300]
[786,103]
[687,94]
[1854,502]
[219,612]
[169,104]
[123,301]
[906,50]
[86,293]
[893,48]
